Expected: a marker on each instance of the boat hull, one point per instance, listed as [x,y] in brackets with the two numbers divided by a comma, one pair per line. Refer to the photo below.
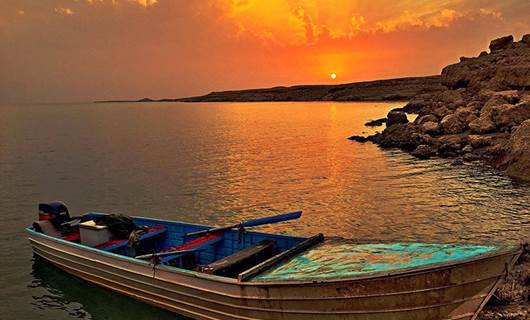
[455,291]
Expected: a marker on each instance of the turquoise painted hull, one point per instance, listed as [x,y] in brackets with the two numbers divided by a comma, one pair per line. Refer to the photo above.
[340,258]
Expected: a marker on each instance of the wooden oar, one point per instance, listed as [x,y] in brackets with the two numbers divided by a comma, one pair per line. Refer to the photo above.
[252,223]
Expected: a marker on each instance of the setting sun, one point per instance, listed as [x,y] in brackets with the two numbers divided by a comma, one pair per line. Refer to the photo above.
[333,76]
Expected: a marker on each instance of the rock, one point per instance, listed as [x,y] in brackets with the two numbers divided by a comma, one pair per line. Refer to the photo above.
[482,125]
[401,135]
[451,97]
[441,112]
[396,117]
[501,43]
[501,97]
[450,145]
[477,141]
[468,157]
[516,76]
[507,116]
[505,68]
[457,162]
[467,114]
[426,118]
[375,123]
[518,154]
[452,124]
[423,151]
[482,114]
[358,139]
[417,103]
[467,149]
[431,127]
[483,53]
[376,138]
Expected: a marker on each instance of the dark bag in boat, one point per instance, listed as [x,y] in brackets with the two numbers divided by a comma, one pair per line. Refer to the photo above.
[120,225]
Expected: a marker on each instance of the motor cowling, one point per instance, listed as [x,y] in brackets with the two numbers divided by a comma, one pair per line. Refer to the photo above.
[56,212]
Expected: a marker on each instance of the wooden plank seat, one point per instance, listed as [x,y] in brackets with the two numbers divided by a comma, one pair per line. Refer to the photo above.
[239,261]
[116,244]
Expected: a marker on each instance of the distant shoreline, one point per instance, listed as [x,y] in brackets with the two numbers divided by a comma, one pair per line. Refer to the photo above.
[398,89]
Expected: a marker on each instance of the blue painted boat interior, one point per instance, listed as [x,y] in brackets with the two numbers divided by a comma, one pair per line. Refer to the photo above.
[232,240]
[333,258]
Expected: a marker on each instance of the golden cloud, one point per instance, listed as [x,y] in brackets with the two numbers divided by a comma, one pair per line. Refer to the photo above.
[296,22]
[63,11]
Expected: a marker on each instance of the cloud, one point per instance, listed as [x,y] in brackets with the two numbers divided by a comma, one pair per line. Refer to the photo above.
[145,3]
[63,11]
[491,12]
[295,22]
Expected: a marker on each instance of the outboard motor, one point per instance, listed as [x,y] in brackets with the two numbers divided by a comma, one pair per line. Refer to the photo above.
[56,212]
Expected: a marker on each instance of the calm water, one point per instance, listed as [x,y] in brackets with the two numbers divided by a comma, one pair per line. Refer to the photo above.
[223,163]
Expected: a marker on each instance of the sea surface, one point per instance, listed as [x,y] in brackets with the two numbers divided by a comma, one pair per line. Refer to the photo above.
[221,163]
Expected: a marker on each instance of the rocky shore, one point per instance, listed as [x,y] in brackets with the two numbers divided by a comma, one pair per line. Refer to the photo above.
[482,114]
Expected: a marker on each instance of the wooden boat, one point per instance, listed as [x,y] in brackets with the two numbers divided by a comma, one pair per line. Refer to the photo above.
[227,273]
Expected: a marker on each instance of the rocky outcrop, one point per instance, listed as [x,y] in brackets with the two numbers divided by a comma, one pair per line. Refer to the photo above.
[501,43]
[482,114]
[518,153]
[506,67]
[395,117]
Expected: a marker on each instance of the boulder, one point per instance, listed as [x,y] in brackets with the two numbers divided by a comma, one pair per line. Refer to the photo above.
[450,145]
[430,127]
[418,102]
[441,112]
[482,125]
[495,98]
[426,118]
[518,154]
[501,43]
[452,124]
[526,39]
[467,114]
[423,151]
[451,97]
[396,117]
[477,141]
[401,135]
[507,116]
[468,157]
[513,76]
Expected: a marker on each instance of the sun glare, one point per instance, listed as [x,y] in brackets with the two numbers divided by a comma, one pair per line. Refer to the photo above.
[333,76]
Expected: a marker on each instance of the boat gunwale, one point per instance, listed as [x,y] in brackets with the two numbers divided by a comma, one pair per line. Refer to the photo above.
[504,250]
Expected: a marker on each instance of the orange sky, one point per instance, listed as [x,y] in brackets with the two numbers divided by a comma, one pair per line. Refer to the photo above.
[81,50]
